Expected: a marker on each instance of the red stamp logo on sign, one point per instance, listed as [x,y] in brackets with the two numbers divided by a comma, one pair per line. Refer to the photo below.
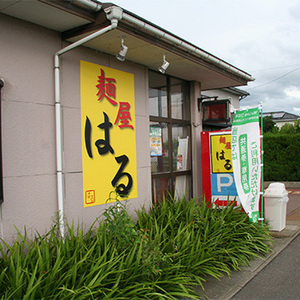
[90,197]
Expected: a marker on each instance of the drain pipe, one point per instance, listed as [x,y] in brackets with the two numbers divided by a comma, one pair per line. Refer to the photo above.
[188,47]
[88,4]
[114,14]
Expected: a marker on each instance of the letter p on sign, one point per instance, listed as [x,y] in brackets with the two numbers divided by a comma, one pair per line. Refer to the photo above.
[224,180]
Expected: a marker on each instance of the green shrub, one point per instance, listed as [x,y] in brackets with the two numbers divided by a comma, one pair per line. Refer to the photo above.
[169,250]
[203,240]
[281,157]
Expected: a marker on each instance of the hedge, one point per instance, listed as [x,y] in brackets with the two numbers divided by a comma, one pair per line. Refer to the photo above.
[281,157]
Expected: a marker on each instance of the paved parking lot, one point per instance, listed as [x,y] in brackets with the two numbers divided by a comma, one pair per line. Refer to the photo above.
[293,205]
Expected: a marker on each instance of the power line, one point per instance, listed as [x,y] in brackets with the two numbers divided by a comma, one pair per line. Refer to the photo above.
[274,68]
[284,75]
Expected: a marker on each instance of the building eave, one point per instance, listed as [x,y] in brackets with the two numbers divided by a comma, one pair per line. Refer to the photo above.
[147,42]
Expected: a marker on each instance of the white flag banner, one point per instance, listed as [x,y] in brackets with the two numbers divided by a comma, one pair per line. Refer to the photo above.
[246,161]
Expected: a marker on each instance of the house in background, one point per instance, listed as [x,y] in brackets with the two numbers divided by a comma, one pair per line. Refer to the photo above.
[97,99]
[281,117]
[218,107]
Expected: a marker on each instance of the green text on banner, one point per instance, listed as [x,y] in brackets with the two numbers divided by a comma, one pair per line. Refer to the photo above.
[246,162]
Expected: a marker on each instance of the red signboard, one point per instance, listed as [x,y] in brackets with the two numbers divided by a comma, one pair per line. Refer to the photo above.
[217,174]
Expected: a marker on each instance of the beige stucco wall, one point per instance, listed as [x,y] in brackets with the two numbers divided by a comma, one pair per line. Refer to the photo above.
[29,153]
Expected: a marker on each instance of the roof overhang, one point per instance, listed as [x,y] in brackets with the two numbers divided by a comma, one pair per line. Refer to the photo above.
[147,42]
[236,91]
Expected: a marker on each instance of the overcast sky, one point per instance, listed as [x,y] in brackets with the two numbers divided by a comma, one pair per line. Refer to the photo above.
[261,37]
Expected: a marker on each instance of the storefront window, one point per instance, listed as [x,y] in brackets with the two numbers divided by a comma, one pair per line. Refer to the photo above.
[159,147]
[180,108]
[170,136]
[158,96]
[181,157]
[182,186]
[161,188]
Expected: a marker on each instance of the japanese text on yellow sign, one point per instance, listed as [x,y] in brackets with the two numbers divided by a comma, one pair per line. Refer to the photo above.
[221,153]
[108,133]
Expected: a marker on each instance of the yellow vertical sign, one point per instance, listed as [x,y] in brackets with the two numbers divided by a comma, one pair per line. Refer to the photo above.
[221,153]
[108,133]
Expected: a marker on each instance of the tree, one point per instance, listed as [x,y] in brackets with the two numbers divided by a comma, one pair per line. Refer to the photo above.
[297,126]
[268,124]
[288,129]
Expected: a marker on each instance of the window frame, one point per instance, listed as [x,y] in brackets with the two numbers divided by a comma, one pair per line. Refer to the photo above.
[172,174]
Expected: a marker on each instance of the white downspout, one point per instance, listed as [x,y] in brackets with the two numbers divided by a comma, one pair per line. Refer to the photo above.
[114,14]
[88,3]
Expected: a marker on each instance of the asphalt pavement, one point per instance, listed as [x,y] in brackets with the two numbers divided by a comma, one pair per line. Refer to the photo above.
[276,276]
[280,279]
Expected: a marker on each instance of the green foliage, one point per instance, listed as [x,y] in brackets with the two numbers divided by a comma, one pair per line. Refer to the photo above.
[269,127]
[281,153]
[281,157]
[169,250]
[204,241]
[120,225]
[287,129]
[297,126]
[268,124]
